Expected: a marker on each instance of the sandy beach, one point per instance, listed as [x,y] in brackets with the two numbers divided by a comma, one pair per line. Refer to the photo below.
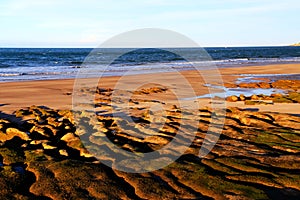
[58,93]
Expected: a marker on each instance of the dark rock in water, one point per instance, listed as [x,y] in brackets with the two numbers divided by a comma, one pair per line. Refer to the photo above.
[276,95]
[264,85]
[254,97]
[286,84]
[232,98]
[248,85]
[230,85]
[242,97]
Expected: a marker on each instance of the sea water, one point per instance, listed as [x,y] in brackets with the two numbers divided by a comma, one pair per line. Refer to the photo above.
[21,64]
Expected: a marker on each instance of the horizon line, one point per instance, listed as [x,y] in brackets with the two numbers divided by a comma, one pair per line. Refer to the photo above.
[90,47]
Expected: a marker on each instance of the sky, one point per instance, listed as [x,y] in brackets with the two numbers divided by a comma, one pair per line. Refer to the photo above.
[88,23]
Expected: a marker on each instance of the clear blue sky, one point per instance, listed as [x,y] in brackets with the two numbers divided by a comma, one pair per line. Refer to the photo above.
[87,23]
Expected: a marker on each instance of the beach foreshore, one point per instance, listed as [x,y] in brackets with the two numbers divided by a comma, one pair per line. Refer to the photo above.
[58,93]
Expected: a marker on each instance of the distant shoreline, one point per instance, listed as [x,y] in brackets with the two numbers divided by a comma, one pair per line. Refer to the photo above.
[295,45]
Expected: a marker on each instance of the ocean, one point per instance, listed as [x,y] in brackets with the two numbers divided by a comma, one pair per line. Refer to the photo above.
[21,64]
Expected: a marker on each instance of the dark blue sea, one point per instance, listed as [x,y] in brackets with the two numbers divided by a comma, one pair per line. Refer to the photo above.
[21,64]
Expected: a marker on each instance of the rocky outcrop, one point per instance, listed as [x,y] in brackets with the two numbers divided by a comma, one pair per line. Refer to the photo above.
[47,157]
[278,84]
[290,86]
[232,98]
[291,97]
